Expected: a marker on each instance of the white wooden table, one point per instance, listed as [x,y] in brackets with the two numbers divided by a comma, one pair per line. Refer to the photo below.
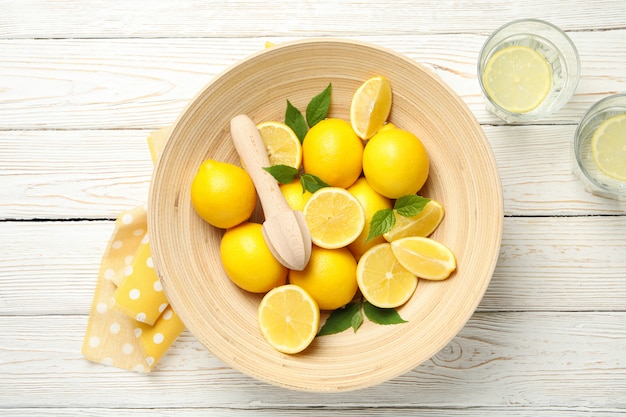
[83,82]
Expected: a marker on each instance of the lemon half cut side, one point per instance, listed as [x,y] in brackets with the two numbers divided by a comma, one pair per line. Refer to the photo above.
[288,318]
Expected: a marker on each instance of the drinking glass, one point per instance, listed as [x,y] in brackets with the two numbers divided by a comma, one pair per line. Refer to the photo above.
[552,44]
[585,165]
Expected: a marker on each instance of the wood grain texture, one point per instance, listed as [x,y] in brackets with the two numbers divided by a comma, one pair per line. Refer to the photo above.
[82,83]
[146,83]
[50,268]
[101,173]
[517,359]
[193,18]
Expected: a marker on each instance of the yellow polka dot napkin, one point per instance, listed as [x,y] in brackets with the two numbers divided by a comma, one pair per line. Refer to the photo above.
[131,325]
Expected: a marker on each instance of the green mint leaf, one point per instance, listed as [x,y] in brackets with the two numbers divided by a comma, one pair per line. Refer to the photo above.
[295,120]
[382,221]
[410,205]
[340,319]
[382,315]
[317,109]
[311,183]
[284,174]
[357,319]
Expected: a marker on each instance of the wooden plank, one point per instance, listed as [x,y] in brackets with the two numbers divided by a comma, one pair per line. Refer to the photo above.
[193,18]
[98,174]
[146,83]
[545,264]
[353,411]
[516,359]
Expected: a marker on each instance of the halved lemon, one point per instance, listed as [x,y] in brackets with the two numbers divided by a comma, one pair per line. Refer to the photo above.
[422,224]
[517,78]
[424,257]
[382,280]
[281,143]
[608,147]
[288,318]
[334,216]
[370,107]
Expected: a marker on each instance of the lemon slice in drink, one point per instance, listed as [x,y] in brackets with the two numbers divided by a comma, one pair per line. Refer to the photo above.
[281,143]
[288,318]
[335,217]
[382,280]
[422,224]
[608,147]
[424,257]
[517,78]
[370,106]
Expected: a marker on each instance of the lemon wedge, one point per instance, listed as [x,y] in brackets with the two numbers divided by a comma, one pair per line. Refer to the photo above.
[281,143]
[424,257]
[370,107]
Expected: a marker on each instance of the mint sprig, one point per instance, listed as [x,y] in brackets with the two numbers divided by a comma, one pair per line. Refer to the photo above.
[351,316]
[295,120]
[383,220]
[316,111]
[284,174]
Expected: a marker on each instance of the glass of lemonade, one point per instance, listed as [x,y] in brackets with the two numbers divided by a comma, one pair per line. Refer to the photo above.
[600,147]
[527,69]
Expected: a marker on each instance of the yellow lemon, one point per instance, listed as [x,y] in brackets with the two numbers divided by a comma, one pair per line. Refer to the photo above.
[422,224]
[608,147]
[333,152]
[330,277]
[517,78]
[281,143]
[424,257]
[295,195]
[371,202]
[248,261]
[370,106]
[334,216]
[288,318]
[395,163]
[223,194]
[382,280]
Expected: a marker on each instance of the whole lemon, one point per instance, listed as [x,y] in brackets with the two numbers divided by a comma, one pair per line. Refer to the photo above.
[330,277]
[371,202]
[395,163]
[247,260]
[295,195]
[223,194]
[333,152]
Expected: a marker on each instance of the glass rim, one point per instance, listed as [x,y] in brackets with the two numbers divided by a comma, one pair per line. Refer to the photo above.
[586,117]
[480,64]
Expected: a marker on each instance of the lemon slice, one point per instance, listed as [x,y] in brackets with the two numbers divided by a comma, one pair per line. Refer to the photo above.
[422,224]
[382,280]
[608,147]
[370,106]
[424,257]
[288,318]
[281,143]
[334,216]
[517,78]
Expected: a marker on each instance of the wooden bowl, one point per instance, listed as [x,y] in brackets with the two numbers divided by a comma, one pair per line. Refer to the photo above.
[463,177]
